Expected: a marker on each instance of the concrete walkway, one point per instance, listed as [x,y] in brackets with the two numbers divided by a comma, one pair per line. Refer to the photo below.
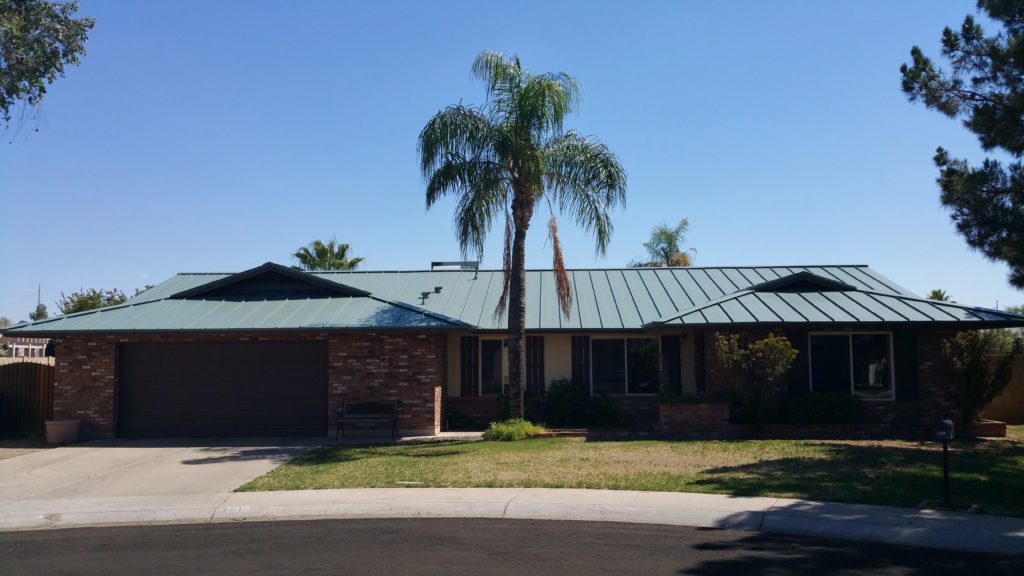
[143,468]
[946,530]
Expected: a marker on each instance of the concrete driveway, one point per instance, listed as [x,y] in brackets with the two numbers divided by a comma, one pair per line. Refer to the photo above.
[124,468]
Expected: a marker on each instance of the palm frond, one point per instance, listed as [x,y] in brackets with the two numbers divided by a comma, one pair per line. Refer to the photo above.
[562,285]
[457,129]
[475,210]
[506,269]
[585,181]
[458,176]
[323,256]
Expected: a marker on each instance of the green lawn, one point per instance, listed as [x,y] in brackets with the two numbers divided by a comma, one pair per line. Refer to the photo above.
[989,473]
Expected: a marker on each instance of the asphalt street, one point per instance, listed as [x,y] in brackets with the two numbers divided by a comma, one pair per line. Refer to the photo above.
[461,547]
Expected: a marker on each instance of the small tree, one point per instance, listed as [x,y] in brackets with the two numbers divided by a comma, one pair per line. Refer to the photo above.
[664,248]
[980,377]
[939,295]
[5,322]
[39,313]
[326,256]
[90,299]
[756,370]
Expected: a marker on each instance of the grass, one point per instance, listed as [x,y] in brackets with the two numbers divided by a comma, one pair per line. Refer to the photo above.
[986,473]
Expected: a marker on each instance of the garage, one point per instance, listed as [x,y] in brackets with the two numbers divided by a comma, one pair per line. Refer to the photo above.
[227,389]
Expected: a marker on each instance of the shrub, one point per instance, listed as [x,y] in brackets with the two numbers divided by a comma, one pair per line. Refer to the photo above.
[823,408]
[504,407]
[569,403]
[979,378]
[755,370]
[510,430]
[565,403]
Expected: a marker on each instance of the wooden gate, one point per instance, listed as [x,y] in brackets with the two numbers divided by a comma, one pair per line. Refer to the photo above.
[26,399]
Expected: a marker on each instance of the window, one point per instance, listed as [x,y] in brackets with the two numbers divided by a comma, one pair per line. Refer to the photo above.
[642,367]
[491,367]
[625,365]
[872,366]
[609,366]
[858,362]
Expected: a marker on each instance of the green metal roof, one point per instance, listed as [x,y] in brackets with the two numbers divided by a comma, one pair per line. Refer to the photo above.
[831,307]
[603,300]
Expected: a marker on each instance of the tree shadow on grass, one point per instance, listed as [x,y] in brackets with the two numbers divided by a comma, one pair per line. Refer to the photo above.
[339,454]
[885,475]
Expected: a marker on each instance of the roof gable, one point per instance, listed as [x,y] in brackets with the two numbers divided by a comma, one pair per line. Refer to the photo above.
[802,282]
[269,282]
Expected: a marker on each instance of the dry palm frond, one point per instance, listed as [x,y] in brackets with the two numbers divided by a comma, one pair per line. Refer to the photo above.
[562,285]
[506,269]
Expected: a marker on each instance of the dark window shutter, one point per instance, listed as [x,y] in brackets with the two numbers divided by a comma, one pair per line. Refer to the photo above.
[830,363]
[581,360]
[906,366]
[699,362]
[535,365]
[799,376]
[469,366]
[671,368]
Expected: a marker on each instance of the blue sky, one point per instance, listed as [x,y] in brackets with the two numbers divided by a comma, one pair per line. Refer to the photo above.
[217,136]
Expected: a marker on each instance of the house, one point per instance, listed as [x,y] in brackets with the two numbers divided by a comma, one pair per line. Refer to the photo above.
[271,351]
[15,347]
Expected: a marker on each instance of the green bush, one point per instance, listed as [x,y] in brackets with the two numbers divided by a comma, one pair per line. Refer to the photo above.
[510,430]
[979,378]
[565,403]
[569,404]
[755,370]
[823,408]
[504,407]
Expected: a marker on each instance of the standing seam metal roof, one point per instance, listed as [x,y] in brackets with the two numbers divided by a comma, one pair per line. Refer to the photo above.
[604,299]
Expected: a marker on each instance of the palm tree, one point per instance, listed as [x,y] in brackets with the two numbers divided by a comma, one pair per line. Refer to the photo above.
[664,247]
[320,256]
[939,295]
[500,161]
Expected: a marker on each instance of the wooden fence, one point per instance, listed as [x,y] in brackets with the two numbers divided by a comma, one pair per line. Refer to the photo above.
[1009,406]
[26,399]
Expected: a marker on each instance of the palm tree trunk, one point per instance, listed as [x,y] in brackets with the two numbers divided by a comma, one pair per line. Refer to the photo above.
[517,319]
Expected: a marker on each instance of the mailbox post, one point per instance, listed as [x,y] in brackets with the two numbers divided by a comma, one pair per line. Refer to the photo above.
[945,433]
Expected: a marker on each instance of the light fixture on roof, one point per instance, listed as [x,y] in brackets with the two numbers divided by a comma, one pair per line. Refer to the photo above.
[456,265]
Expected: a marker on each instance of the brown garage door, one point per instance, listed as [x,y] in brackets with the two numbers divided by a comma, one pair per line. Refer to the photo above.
[194,389]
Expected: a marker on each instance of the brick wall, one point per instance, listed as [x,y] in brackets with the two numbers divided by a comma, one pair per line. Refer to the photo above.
[694,420]
[396,366]
[916,419]
[84,383]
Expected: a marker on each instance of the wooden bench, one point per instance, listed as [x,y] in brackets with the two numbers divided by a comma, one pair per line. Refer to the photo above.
[356,411]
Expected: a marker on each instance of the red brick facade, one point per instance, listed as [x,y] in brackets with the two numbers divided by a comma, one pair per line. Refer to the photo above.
[398,366]
[916,418]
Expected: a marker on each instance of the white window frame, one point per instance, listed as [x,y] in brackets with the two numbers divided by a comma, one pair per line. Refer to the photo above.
[480,366]
[625,362]
[849,345]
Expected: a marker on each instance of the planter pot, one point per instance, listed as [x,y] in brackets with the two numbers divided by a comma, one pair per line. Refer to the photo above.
[989,429]
[62,431]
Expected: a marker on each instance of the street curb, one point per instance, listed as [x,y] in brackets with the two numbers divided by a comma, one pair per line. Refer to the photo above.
[901,526]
